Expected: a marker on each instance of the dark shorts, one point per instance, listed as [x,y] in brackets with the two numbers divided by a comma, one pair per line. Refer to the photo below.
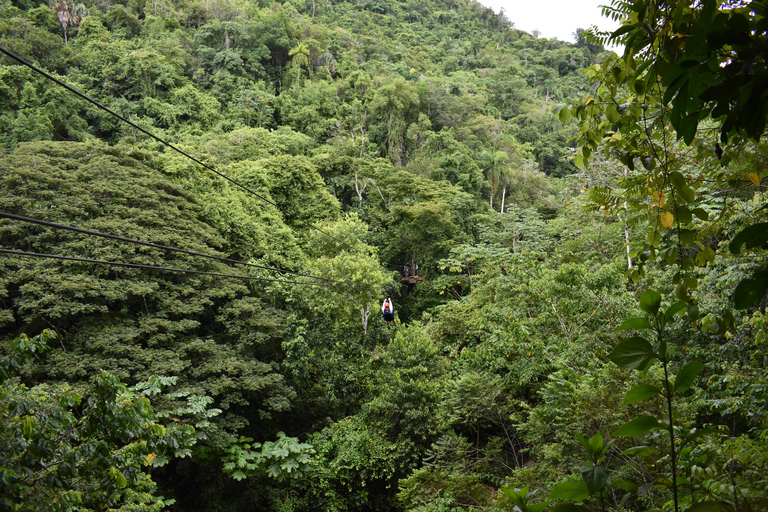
[389,317]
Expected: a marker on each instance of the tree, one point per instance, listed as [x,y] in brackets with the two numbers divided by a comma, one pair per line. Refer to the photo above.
[69,14]
[494,161]
[647,107]
[351,263]
[151,322]
[392,103]
[64,449]
[300,54]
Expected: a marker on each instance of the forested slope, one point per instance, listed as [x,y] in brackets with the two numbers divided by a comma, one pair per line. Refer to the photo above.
[570,226]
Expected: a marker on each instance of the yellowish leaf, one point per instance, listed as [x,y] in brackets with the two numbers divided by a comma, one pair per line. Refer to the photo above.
[149,458]
[754,178]
[667,219]
[658,198]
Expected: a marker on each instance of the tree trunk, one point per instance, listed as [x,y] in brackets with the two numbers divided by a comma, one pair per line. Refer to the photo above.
[365,313]
[626,228]
[626,239]
[503,196]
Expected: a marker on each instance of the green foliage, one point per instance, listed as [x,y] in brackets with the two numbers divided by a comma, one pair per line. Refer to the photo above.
[384,124]
[410,374]
[281,459]
[134,323]
[22,350]
[64,449]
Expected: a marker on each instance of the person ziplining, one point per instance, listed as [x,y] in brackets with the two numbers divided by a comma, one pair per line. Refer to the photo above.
[388,312]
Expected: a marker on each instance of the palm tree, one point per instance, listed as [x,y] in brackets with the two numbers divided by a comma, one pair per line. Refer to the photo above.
[506,179]
[69,14]
[300,56]
[494,163]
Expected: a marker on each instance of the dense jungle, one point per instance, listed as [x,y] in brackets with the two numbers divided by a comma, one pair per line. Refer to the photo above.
[203,204]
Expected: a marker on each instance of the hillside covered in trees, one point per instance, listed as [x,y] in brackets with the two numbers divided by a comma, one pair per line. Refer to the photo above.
[189,295]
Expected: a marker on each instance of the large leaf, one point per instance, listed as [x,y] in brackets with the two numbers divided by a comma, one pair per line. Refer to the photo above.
[687,376]
[638,427]
[641,451]
[569,507]
[635,323]
[750,291]
[640,393]
[596,443]
[596,477]
[674,309]
[632,353]
[750,237]
[594,446]
[514,496]
[626,485]
[650,301]
[573,491]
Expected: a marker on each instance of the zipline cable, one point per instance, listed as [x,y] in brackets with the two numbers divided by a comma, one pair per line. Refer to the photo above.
[168,144]
[153,267]
[157,246]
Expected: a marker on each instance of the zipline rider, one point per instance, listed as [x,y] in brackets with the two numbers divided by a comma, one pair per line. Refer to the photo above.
[388,312]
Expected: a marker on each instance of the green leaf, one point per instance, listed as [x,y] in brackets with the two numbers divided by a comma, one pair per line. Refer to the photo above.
[637,427]
[516,496]
[573,491]
[753,236]
[641,451]
[684,215]
[670,256]
[612,113]
[596,443]
[635,323]
[640,393]
[674,309]
[677,179]
[687,236]
[632,353]
[565,115]
[118,478]
[650,301]
[687,194]
[750,291]
[626,485]
[596,477]
[700,213]
[582,440]
[687,376]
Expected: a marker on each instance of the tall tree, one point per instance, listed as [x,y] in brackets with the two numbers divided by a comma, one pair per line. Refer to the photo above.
[300,57]
[393,102]
[494,161]
[70,14]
